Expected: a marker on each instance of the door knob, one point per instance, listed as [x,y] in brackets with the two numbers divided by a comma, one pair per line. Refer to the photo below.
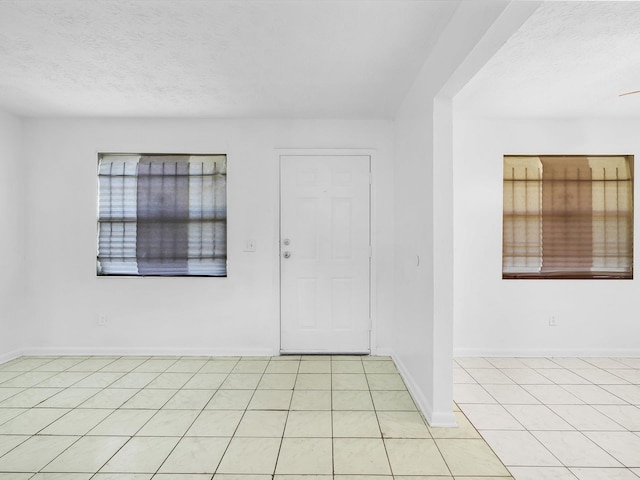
[286,241]
[286,254]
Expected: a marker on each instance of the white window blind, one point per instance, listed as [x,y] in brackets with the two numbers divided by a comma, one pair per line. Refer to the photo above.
[162,215]
[568,216]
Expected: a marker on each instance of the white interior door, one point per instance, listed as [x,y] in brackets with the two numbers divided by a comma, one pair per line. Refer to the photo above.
[325,254]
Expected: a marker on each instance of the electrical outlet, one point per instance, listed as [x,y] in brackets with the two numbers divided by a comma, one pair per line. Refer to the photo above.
[553,322]
[102,320]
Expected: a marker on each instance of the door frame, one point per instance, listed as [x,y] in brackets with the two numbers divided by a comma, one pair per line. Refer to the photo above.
[318,152]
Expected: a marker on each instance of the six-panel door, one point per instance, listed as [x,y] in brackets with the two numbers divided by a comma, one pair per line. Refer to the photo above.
[325,254]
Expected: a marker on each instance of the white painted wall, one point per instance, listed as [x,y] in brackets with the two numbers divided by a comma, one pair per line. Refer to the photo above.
[510,317]
[12,236]
[237,314]
[424,293]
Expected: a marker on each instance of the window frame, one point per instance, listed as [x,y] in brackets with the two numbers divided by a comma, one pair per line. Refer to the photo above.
[510,250]
[100,155]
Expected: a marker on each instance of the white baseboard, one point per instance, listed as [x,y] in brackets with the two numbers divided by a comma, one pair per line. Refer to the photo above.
[7,357]
[139,351]
[546,352]
[434,418]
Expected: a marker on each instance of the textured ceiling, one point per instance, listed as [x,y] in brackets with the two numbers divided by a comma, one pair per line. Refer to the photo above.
[237,58]
[569,59]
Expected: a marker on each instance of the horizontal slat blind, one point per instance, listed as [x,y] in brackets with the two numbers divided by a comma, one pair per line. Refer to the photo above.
[162,215]
[568,217]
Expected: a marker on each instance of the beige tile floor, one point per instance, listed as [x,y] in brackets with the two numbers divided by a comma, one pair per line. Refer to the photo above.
[250,418]
[556,418]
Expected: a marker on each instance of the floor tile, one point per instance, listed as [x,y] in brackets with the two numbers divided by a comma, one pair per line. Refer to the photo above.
[76,422]
[141,455]
[262,423]
[206,381]
[271,399]
[360,456]
[562,376]
[92,364]
[304,423]
[604,473]
[170,380]
[69,398]
[109,398]
[623,446]
[277,381]
[155,365]
[490,417]
[88,454]
[626,415]
[61,476]
[573,449]
[554,394]
[9,392]
[305,456]
[251,366]
[506,362]
[394,401]
[417,456]
[169,423]
[311,400]
[471,393]
[385,381]
[33,454]
[123,423]
[215,423]
[352,400]
[351,367]
[604,362]
[31,421]
[378,367]
[282,367]
[526,376]
[585,417]
[189,400]
[511,394]
[473,362]
[402,425]
[63,379]
[230,400]
[182,476]
[195,455]
[600,377]
[150,398]
[313,381]
[218,366]
[356,424]
[134,380]
[124,364]
[628,393]
[535,362]
[469,457]
[315,367]
[542,473]
[241,381]
[29,398]
[489,375]
[464,429]
[186,365]
[99,380]
[519,448]
[250,456]
[538,417]
[9,442]
[351,381]
[28,379]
